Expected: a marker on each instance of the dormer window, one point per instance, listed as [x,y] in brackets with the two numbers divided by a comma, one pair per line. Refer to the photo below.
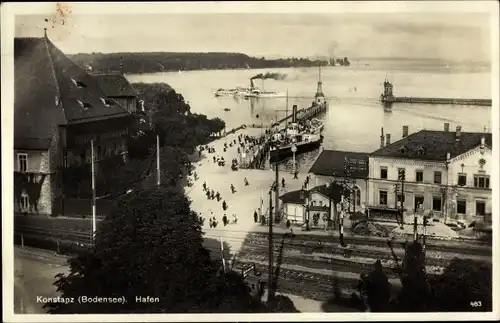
[421,151]
[84,105]
[403,150]
[107,102]
[78,84]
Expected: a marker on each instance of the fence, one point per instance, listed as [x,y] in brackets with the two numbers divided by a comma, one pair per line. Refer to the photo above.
[82,207]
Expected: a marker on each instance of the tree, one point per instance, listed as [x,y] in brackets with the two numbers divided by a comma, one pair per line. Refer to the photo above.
[465,285]
[415,293]
[150,246]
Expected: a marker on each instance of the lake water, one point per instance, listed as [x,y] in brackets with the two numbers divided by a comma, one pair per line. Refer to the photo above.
[355,115]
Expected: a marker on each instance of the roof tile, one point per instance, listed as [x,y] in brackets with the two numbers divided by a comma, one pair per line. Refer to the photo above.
[433,145]
[333,162]
[45,95]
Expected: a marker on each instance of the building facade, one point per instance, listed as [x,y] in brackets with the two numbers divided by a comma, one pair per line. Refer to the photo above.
[315,205]
[348,168]
[58,109]
[445,172]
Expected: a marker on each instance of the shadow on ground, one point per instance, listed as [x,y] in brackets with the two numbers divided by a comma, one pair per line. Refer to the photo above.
[340,302]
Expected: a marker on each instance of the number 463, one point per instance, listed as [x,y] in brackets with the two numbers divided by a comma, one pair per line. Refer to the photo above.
[476,304]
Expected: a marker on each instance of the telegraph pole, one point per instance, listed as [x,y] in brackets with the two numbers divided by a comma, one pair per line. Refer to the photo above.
[93,191]
[158,160]
[277,193]
[270,274]
[402,176]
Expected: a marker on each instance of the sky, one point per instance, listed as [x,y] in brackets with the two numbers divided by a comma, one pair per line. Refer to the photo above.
[454,36]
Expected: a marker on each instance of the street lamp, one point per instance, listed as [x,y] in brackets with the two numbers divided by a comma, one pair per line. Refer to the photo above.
[304,197]
[294,150]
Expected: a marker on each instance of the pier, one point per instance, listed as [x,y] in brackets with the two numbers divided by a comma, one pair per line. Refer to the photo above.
[258,157]
[388,98]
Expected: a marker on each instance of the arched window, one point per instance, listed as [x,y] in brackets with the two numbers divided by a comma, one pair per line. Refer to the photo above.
[356,196]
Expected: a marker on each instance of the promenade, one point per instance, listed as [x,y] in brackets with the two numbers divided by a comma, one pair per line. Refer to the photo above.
[244,201]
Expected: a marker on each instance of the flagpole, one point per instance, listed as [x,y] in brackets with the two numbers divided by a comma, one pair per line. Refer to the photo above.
[286,108]
[158,160]
[93,190]
[222,255]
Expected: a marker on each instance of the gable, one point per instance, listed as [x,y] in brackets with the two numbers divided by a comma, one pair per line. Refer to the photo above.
[81,95]
[433,145]
[35,93]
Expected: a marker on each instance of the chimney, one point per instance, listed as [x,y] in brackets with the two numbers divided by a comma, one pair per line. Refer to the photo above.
[388,139]
[382,137]
[482,141]
[446,126]
[405,131]
[448,156]
[458,133]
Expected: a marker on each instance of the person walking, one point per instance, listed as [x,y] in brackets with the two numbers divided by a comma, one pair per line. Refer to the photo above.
[224,205]
[214,221]
[296,174]
[235,218]
[204,186]
[217,195]
[283,182]
[212,194]
[233,190]
[211,223]
[224,219]
[246,181]
[255,217]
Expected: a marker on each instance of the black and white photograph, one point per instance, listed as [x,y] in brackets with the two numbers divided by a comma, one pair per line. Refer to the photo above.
[211,161]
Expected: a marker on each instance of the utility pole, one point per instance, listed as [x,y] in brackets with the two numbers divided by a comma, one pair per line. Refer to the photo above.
[277,193]
[341,236]
[286,108]
[93,191]
[158,160]
[270,274]
[222,255]
[402,177]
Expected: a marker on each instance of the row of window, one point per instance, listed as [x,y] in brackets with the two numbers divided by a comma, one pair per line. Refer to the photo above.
[437,203]
[480,181]
[356,198]
[22,158]
[85,139]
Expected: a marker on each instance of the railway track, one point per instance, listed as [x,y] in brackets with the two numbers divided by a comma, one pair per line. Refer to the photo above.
[361,250]
[330,241]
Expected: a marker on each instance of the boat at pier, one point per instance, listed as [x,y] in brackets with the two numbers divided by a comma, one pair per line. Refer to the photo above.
[282,148]
[295,135]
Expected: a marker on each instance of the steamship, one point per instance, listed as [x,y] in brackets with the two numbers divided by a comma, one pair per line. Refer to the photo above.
[299,137]
[256,93]
[304,139]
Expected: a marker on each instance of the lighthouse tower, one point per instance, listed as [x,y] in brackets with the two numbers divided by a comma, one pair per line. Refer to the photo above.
[319,97]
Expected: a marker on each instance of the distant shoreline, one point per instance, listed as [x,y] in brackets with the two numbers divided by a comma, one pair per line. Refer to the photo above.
[142,63]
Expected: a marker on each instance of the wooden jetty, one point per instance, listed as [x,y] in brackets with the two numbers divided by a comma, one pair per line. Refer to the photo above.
[388,98]
[258,158]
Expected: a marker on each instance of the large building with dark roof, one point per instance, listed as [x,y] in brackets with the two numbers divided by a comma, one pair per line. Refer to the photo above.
[58,109]
[446,172]
[351,168]
[118,88]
